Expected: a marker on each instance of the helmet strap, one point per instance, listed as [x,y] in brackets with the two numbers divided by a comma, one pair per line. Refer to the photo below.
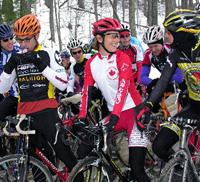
[37,43]
[102,44]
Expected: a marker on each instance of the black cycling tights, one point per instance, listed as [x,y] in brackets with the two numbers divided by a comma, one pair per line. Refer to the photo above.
[136,160]
[163,143]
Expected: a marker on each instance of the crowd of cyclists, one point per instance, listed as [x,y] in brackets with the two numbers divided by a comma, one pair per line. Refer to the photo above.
[33,76]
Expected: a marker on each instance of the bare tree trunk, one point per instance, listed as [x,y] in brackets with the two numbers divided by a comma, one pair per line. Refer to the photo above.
[154,12]
[114,11]
[114,8]
[184,4]
[149,13]
[57,15]
[95,9]
[101,3]
[145,8]
[123,10]
[49,4]
[170,6]
[81,4]
[191,5]
[132,17]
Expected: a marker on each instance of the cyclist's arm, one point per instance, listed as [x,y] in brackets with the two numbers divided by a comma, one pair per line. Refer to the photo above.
[146,68]
[56,73]
[88,83]
[139,58]
[125,74]
[144,77]
[178,76]
[71,81]
[6,81]
[163,82]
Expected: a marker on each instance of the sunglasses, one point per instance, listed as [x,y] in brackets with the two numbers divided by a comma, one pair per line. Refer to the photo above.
[6,40]
[77,52]
[124,36]
[114,35]
[27,39]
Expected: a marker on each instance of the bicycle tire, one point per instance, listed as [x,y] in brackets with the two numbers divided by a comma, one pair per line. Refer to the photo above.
[11,165]
[93,169]
[175,164]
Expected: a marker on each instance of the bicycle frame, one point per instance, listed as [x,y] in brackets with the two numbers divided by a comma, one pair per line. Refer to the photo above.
[62,175]
[184,153]
[23,146]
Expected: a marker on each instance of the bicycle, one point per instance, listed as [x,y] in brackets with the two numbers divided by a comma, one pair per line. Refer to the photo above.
[182,167]
[23,167]
[100,165]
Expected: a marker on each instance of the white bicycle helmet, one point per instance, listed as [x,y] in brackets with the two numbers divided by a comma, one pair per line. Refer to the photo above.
[74,43]
[153,34]
[125,27]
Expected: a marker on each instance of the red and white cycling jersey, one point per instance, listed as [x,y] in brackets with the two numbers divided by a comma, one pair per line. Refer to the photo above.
[113,76]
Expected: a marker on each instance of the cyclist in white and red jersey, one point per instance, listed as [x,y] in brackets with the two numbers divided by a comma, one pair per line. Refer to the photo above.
[132,50]
[111,70]
[37,73]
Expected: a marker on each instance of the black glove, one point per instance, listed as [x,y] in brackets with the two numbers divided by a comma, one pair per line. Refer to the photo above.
[151,85]
[112,122]
[12,63]
[143,112]
[39,59]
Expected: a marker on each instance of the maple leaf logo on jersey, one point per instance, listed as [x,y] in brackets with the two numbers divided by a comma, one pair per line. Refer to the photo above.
[112,73]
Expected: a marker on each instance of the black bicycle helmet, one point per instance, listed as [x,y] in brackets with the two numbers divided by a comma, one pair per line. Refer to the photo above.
[183,20]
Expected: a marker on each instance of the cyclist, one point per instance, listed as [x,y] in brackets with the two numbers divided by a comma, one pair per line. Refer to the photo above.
[8,105]
[132,50]
[182,34]
[111,71]
[76,50]
[156,56]
[37,73]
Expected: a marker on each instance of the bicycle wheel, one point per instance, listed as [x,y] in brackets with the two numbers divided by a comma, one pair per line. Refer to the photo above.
[173,171]
[92,168]
[13,169]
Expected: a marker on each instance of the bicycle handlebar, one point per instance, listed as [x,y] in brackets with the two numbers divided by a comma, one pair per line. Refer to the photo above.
[8,133]
[23,132]
[177,120]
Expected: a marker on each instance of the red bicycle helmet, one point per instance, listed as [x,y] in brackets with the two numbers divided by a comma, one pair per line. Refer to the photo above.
[104,25]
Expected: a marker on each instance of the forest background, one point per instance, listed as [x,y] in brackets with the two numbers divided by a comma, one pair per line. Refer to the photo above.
[64,19]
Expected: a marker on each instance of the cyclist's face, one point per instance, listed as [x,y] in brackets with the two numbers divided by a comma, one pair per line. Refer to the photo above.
[111,40]
[65,62]
[77,54]
[155,48]
[27,43]
[168,38]
[125,39]
[7,44]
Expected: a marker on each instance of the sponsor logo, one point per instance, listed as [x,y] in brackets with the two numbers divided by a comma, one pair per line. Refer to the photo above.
[39,85]
[25,66]
[24,86]
[120,91]
[112,73]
